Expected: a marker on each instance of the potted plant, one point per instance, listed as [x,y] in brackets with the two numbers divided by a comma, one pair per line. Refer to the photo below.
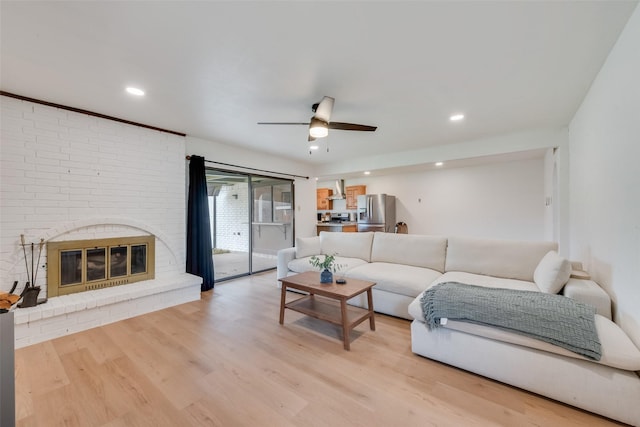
[327,267]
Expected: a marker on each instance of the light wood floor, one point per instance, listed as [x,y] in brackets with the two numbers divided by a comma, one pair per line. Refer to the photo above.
[225,361]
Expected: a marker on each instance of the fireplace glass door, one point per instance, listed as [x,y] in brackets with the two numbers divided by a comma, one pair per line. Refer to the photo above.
[138,259]
[96,264]
[118,261]
[81,265]
[70,267]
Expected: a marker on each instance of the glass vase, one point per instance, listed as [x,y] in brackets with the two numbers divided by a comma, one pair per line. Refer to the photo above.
[326,276]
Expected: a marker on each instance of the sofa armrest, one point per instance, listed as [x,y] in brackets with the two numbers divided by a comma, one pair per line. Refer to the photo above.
[284,256]
[588,292]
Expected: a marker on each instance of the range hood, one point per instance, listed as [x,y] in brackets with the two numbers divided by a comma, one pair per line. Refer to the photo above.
[339,192]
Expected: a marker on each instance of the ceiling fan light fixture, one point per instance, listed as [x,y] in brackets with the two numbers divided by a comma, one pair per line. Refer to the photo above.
[318,128]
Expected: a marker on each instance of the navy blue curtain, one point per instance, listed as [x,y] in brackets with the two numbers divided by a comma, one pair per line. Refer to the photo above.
[199,250]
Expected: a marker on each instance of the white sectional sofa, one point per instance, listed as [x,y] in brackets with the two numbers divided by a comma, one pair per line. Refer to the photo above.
[404,266]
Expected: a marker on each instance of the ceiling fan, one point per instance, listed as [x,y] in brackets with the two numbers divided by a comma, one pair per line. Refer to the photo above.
[320,123]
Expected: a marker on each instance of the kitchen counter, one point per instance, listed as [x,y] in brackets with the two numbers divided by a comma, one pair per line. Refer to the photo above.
[337,227]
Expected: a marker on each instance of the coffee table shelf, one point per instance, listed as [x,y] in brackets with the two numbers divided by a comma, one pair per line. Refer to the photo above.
[328,310]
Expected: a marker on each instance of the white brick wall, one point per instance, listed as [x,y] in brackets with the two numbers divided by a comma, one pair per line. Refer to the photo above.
[232,218]
[66,175]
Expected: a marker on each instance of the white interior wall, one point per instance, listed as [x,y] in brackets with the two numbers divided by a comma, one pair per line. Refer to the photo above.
[497,200]
[604,144]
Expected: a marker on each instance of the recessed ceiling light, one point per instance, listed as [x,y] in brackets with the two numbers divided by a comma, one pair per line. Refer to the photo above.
[313,147]
[135,91]
[456,117]
[439,163]
[367,173]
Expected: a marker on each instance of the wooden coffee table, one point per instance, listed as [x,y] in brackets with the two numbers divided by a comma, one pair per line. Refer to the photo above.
[320,303]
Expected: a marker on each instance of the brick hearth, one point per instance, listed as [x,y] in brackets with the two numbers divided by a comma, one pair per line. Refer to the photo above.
[67,314]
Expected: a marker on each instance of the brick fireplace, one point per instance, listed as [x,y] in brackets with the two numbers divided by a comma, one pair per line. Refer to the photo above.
[65,314]
[69,176]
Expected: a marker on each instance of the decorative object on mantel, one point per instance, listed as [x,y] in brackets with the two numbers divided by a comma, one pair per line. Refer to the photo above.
[327,267]
[30,292]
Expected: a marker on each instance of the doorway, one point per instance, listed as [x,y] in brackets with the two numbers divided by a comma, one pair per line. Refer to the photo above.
[251,219]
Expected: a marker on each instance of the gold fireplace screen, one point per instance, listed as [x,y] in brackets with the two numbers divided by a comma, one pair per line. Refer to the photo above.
[84,265]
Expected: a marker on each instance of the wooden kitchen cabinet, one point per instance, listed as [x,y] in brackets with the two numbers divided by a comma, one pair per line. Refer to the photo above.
[322,198]
[329,228]
[352,192]
[336,228]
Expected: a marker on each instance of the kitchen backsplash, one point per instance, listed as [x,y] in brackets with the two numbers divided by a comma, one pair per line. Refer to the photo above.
[339,205]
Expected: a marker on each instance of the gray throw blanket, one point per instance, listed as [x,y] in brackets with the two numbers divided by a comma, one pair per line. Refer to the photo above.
[555,319]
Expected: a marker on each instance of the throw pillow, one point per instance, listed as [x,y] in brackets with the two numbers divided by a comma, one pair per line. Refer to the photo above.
[552,273]
[307,246]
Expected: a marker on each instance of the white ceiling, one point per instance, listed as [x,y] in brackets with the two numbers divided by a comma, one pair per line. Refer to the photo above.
[214,69]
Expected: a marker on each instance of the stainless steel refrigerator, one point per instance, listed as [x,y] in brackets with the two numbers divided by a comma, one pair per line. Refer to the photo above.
[376,212]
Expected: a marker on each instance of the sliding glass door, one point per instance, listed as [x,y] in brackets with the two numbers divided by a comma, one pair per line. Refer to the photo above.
[271,227]
[251,219]
[229,211]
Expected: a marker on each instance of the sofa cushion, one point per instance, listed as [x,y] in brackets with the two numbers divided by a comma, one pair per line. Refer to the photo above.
[349,245]
[307,246]
[509,259]
[552,273]
[410,249]
[300,265]
[486,281]
[396,278]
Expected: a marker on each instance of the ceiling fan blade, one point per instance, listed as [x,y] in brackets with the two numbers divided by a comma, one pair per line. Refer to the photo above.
[352,126]
[325,107]
[311,138]
[283,123]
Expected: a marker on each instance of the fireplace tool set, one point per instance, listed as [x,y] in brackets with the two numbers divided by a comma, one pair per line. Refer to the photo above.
[30,292]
